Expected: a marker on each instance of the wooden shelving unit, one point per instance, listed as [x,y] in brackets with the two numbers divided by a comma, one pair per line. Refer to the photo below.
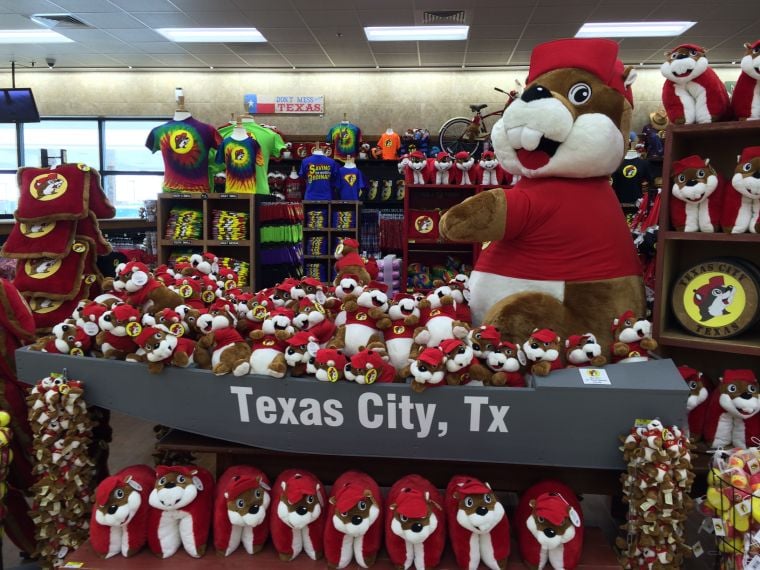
[434,251]
[333,235]
[242,250]
[677,251]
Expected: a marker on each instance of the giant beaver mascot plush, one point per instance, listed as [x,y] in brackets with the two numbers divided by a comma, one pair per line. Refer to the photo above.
[561,255]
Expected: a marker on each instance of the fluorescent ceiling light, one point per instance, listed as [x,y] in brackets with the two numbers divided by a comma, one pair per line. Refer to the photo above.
[212,35]
[632,29]
[36,36]
[416,33]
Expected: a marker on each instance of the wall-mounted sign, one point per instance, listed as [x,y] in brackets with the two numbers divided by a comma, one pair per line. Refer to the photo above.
[284,104]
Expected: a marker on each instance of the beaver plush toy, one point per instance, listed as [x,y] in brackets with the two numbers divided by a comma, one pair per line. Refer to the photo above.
[560,252]
[693,92]
[741,202]
[696,195]
[745,100]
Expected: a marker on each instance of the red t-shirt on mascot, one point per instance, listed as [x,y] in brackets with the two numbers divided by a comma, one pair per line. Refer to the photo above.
[547,219]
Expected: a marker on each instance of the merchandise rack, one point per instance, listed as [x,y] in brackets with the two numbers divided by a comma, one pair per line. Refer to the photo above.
[332,234]
[243,250]
[677,251]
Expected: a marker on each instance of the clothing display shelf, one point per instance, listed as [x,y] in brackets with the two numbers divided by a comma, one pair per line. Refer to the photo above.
[421,199]
[678,251]
[241,249]
[330,233]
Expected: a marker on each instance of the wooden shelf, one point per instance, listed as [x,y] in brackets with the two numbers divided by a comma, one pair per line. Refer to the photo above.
[331,206]
[317,257]
[723,128]
[228,243]
[748,343]
[182,242]
[718,236]
[114,224]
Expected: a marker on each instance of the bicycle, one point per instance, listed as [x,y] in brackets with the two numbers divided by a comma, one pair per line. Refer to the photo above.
[463,134]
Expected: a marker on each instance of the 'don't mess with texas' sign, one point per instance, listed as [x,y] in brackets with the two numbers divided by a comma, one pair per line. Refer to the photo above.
[284,104]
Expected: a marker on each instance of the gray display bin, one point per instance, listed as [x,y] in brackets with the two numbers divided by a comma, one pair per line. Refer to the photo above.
[560,421]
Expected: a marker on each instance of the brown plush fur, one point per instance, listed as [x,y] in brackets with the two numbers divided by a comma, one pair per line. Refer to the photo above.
[480,218]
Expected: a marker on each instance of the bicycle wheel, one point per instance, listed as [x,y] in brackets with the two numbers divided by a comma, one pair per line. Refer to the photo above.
[452,137]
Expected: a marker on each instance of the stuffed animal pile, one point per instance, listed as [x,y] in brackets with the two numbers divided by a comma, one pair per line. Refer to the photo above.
[176,507]
[6,456]
[64,469]
[57,240]
[656,487]
[731,502]
[460,169]
[194,315]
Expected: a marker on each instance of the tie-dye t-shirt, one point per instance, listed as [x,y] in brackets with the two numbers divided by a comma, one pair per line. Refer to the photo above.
[184,146]
[345,138]
[240,158]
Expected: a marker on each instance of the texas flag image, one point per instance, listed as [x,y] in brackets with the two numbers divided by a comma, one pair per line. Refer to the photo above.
[260,104]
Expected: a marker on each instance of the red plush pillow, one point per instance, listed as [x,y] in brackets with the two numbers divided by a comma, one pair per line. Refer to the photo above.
[61,193]
[49,312]
[15,315]
[39,239]
[100,205]
[88,228]
[423,224]
[53,278]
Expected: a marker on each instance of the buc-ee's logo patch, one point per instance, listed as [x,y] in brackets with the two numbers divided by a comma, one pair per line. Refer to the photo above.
[42,268]
[717,298]
[629,171]
[424,224]
[36,229]
[181,141]
[48,186]
[42,305]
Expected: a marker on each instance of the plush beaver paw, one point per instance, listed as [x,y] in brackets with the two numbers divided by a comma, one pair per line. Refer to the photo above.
[280,335]
[649,344]
[155,367]
[541,368]
[598,361]
[418,387]
[350,305]
[180,359]
[423,304]
[620,349]
[422,336]
[241,368]
[452,380]
[460,330]
[412,320]
[498,379]
[383,323]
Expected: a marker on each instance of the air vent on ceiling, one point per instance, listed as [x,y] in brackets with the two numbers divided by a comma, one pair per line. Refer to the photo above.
[443,17]
[58,21]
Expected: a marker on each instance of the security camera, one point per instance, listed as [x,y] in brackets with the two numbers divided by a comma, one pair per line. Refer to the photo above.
[50,62]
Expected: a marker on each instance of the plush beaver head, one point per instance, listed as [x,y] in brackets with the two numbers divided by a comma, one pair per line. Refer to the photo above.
[403,306]
[157,343]
[574,115]
[739,393]
[506,358]
[428,369]
[356,510]
[414,519]
[629,328]
[542,345]
[300,502]
[551,521]
[478,510]
[247,501]
[582,349]
[746,179]
[694,179]
[697,390]
[684,63]
[751,60]
[117,500]
[175,488]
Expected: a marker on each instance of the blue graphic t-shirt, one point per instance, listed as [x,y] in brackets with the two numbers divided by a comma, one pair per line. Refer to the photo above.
[345,138]
[320,173]
[350,181]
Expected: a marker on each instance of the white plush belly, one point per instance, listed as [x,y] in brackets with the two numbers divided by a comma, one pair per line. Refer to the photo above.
[216,357]
[487,289]
[398,351]
[356,336]
[261,358]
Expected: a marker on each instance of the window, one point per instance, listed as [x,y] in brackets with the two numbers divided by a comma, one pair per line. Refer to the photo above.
[8,158]
[124,148]
[127,192]
[8,193]
[78,137]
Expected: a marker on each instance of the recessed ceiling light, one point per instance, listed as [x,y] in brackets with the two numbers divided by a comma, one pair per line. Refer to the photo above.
[632,29]
[416,33]
[36,36]
[211,67]
[212,35]
[129,67]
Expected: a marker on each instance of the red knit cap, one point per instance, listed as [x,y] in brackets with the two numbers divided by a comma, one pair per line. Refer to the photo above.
[576,339]
[125,312]
[417,154]
[688,46]
[105,489]
[282,311]
[487,155]
[146,334]
[347,497]
[739,375]
[473,487]
[688,373]
[507,344]
[377,286]
[490,332]
[750,152]
[431,356]
[450,345]
[693,161]
[545,335]
[311,281]
[298,486]
[134,266]
[305,302]
[552,507]
[325,355]
[240,486]
[755,45]
[412,504]
[597,56]
[93,311]
[221,305]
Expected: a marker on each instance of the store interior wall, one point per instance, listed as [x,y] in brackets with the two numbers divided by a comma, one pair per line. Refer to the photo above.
[375,100]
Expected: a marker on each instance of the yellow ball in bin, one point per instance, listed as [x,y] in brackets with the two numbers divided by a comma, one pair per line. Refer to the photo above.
[5,435]
[3,489]
[5,419]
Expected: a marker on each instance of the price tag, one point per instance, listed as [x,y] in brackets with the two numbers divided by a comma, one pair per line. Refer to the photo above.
[228,196]
[706,526]
[744,508]
[594,376]
[228,242]
[753,564]
[73,565]
[668,497]
[753,465]
[646,505]
[718,527]
[697,549]
[91,329]
[641,422]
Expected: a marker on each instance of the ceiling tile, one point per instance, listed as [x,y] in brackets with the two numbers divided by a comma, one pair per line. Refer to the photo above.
[510,16]
[546,32]
[252,49]
[220,59]
[495,32]
[486,58]
[266,61]
[165,19]
[114,46]
[226,19]
[178,59]
[95,60]
[450,59]
[353,59]
[145,5]
[560,13]
[393,47]
[285,34]
[329,17]
[397,60]
[137,36]
[270,18]
[490,45]
[27,7]
[617,12]
[311,60]
[520,57]
[86,35]
[160,47]
[204,5]
[297,49]
[17,22]
[142,60]
[329,34]
[323,4]
[442,47]
[110,20]
[204,48]
[341,47]
[86,6]
[386,17]
[643,43]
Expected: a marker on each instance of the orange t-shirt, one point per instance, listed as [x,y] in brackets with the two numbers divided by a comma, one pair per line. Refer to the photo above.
[389,145]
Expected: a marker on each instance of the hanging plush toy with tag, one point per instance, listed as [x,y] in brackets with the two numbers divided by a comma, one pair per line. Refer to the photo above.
[697,196]
[583,350]
[354,524]
[745,99]
[550,526]
[693,92]
[119,522]
[478,525]
[741,202]
[329,363]
[182,502]
[241,506]
[297,516]
[119,328]
[542,349]
[349,262]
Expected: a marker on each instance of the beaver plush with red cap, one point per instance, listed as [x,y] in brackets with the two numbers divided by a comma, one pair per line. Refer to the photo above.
[697,195]
[564,136]
[741,202]
[241,506]
[349,262]
[693,92]
[297,515]
[745,99]
[732,418]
